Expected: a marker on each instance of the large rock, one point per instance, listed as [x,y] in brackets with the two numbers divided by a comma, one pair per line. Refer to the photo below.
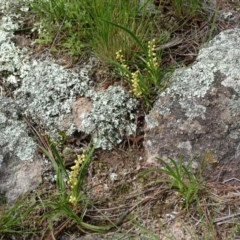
[20,167]
[49,94]
[198,115]
[53,96]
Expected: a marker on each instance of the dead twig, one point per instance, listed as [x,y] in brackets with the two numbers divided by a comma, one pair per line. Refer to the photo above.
[221,220]
[231,179]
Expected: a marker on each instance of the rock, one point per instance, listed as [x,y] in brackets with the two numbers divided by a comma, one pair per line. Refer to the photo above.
[80,108]
[198,115]
[49,94]
[20,168]
[111,117]
[61,99]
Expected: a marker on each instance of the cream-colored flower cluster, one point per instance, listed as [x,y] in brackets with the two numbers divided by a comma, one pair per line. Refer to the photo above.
[73,200]
[119,56]
[73,178]
[139,82]
[134,76]
[121,60]
[135,84]
[152,62]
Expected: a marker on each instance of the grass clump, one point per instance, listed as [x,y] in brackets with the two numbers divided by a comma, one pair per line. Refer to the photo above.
[63,24]
[13,219]
[182,180]
[49,213]
[186,8]
[129,29]
[77,25]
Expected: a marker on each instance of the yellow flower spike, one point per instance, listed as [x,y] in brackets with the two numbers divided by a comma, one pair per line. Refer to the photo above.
[74,183]
[124,68]
[135,84]
[73,177]
[73,200]
[152,56]
[119,56]
[73,167]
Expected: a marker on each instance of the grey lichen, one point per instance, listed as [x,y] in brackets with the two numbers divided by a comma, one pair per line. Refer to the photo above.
[192,83]
[48,91]
[6,6]
[192,109]
[13,133]
[111,117]
[14,140]
[223,53]
[185,145]
[12,59]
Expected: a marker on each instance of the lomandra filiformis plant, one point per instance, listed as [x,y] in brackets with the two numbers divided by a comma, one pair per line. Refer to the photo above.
[144,77]
[70,201]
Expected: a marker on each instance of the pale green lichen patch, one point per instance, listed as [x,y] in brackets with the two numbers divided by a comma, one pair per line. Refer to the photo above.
[14,140]
[193,83]
[47,93]
[111,117]
[192,109]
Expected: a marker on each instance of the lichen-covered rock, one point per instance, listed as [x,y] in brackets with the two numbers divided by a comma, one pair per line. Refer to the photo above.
[43,89]
[6,7]
[13,61]
[111,117]
[49,92]
[20,168]
[198,115]
[46,92]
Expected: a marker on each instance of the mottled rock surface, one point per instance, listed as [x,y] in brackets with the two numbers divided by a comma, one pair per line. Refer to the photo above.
[111,117]
[20,167]
[48,94]
[198,115]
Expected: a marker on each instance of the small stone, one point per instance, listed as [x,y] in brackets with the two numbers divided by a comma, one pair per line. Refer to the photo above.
[113,177]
